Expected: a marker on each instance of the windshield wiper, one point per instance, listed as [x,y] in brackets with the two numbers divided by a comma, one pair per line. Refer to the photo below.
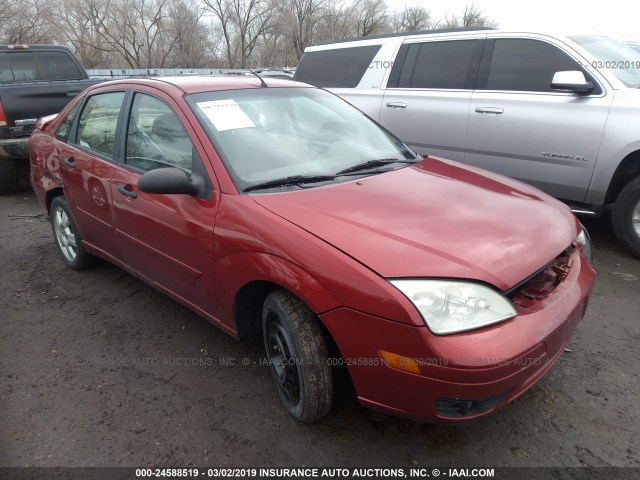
[292,180]
[374,163]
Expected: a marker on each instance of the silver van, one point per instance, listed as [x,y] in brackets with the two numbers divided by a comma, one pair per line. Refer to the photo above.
[561,113]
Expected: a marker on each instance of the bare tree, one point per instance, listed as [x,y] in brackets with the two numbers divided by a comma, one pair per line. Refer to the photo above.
[192,47]
[73,26]
[411,19]
[304,16]
[370,17]
[242,24]
[222,10]
[336,22]
[25,22]
[471,17]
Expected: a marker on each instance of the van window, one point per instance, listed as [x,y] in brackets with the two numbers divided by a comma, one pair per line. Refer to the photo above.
[57,66]
[336,68]
[444,65]
[526,65]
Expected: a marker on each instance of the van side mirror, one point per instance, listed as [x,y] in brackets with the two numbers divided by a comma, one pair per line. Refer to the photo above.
[572,81]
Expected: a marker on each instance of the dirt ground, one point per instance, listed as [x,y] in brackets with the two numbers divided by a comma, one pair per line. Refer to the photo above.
[98,369]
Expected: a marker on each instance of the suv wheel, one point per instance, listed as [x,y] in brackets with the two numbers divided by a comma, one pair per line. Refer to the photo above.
[297,355]
[626,216]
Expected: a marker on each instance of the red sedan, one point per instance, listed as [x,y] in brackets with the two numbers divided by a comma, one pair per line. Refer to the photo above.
[284,215]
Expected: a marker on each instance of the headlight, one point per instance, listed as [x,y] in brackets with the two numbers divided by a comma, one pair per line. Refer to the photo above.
[451,307]
[584,241]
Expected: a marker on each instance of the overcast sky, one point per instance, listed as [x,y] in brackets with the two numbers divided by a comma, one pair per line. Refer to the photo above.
[618,18]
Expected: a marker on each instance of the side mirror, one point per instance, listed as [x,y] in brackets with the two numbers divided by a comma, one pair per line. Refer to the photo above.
[171,181]
[573,81]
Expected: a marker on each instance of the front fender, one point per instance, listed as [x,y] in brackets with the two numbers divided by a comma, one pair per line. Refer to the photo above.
[234,271]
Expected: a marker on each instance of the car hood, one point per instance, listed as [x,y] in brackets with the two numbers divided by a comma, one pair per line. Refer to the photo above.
[435,219]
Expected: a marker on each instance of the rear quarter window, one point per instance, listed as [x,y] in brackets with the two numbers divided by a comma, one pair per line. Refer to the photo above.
[336,68]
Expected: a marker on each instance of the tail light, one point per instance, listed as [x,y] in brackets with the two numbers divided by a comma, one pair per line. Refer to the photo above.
[3,117]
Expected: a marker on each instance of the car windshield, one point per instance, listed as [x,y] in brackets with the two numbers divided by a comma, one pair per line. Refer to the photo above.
[620,59]
[297,135]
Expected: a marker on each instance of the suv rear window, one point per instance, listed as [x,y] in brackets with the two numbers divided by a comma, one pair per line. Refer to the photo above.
[336,68]
[29,66]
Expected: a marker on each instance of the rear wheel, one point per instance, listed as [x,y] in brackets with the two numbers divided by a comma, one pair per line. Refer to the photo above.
[66,236]
[298,358]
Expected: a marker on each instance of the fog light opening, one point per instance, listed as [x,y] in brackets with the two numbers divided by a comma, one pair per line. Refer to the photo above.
[448,407]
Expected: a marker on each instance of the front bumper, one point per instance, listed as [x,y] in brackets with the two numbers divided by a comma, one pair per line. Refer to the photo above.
[12,148]
[491,366]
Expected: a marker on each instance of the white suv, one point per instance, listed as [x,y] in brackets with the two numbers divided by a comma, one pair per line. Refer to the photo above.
[561,113]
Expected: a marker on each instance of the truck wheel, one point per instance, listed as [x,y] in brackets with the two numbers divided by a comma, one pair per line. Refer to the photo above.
[297,355]
[626,216]
[67,237]
[9,181]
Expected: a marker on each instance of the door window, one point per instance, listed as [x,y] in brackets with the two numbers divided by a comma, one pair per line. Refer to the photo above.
[526,65]
[98,122]
[443,65]
[155,137]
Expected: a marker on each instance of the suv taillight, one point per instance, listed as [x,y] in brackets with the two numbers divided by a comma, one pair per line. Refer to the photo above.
[3,117]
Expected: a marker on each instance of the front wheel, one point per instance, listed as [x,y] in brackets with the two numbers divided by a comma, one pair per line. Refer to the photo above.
[67,237]
[626,216]
[297,355]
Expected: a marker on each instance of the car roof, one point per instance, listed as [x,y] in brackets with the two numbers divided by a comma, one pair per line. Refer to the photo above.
[207,83]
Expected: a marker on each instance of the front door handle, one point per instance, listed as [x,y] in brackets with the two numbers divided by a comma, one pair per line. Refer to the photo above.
[397,105]
[125,191]
[493,110]
[68,161]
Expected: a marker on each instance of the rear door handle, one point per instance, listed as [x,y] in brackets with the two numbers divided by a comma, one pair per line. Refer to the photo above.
[125,191]
[397,105]
[73,93]
[68,161]
[495,111]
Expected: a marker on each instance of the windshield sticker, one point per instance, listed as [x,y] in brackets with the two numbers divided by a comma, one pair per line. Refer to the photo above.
[225,115]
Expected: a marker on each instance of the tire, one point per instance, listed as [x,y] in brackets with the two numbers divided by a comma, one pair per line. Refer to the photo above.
[67,237]
[9,181]
[297,355]
[626,216]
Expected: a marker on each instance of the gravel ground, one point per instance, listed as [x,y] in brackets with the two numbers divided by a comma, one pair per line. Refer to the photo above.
[98,369]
